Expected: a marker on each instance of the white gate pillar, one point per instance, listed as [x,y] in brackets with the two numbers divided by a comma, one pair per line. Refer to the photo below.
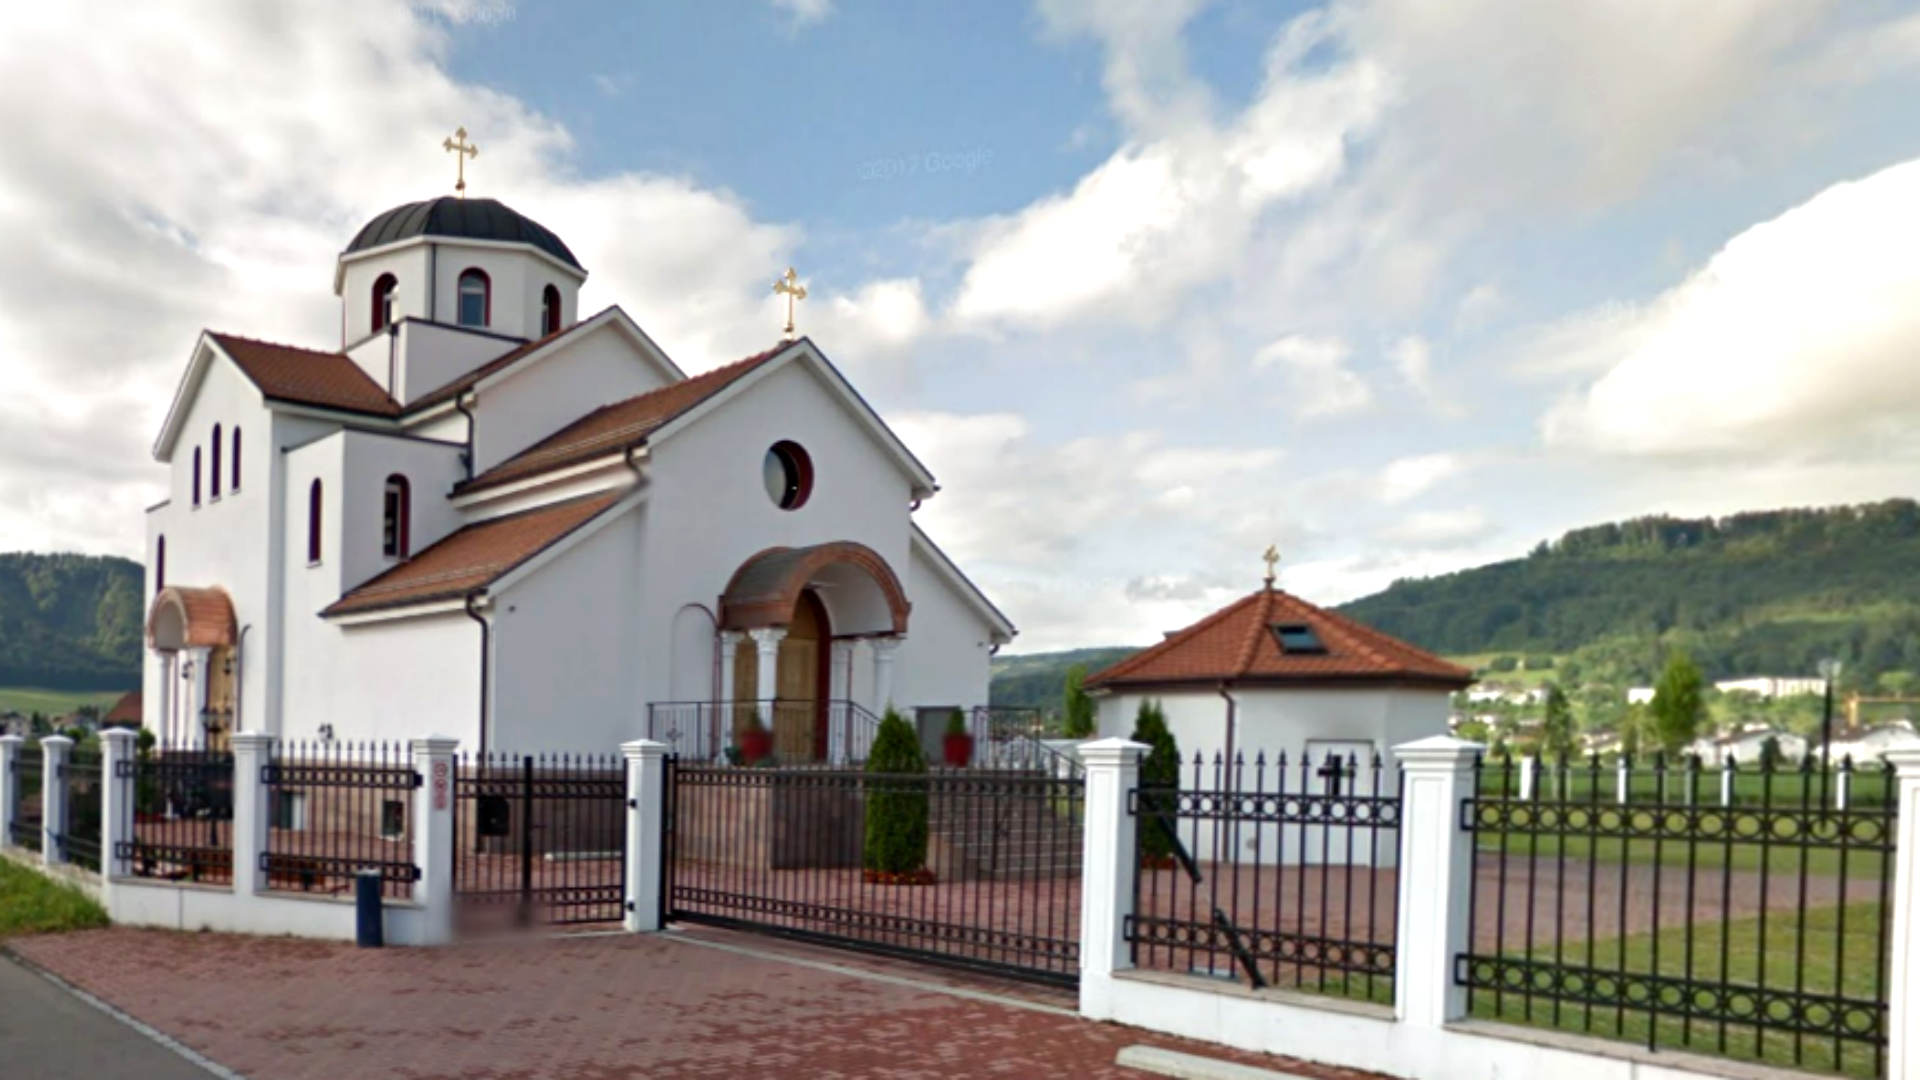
[116,805]
[55,750]
[1903,968]
[1110,859]
[884,649]
[1436,873]
[646,833]
[433,835]
[10,750]
[252,810]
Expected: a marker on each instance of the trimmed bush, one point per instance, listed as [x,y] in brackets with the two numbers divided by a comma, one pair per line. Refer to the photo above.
[1159,779]
[896,841]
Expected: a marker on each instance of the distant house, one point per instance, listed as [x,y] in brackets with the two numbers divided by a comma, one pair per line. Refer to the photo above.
[1639,695]
[125,713]
[1871,744]
[1771,686]
[1747,746]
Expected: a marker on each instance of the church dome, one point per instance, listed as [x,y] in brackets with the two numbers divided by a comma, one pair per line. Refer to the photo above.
[463,219]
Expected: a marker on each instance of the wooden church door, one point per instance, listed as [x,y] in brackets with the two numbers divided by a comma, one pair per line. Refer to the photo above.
[802,681]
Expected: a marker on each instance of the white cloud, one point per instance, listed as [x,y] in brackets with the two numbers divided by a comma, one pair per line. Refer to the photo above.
[1408,477]
[1318,382]
[1798,338]
[804,12]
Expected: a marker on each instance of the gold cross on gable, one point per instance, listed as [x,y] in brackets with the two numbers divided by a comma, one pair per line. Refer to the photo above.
[461,150]
[789,286]
[1273,560]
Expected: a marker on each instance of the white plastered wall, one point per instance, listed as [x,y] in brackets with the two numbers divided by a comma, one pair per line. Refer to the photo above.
[947,657]
[587,370]
[431,470]
[408,265]
[518,277]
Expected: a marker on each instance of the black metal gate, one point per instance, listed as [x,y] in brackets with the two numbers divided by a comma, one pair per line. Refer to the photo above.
[540,840]
[977,869]
[80,840]
[29,770]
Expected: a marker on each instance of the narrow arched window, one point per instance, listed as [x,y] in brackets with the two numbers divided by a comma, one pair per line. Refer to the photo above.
[213,478]
[550,310]
[395,542]
[476,298]
[160,565]
[384,291]
[236,459]
[313,523]
[196,476]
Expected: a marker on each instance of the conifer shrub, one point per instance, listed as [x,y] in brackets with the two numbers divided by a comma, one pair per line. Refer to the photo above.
[895,849]
[1159,782]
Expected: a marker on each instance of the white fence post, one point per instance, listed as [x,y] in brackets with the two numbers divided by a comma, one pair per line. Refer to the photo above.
[1726,783]
[1903,995]
[1529,780]
[1110,859]
[646,833]
[433,836]
[10,750]
[55,750]
[1623,781]
[1436,874]
[252,815]
[116,805]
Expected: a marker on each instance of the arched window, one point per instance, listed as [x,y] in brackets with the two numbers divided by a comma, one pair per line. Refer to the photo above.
[384,291]
[196,476]
[395,540]
[550,310]
[236,459]
[160,565]
[476,298]
[313,523]
[213,478]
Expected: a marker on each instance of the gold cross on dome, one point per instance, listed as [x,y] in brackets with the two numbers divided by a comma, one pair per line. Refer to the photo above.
[788,285]
[461,150]
[1272,558]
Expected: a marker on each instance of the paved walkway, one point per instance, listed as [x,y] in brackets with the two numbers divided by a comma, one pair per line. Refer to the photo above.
[47,1033]
[586,1008]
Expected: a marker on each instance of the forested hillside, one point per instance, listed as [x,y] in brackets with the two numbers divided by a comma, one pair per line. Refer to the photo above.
[70,622]
[1038,679]
[1769,592]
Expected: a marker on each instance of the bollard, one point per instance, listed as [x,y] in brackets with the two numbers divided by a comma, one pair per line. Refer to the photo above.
[366,902]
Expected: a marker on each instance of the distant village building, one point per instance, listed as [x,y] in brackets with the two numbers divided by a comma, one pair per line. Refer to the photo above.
[1748,746]
[125,712]
[1864,745]
[1769,686]
[1639,695]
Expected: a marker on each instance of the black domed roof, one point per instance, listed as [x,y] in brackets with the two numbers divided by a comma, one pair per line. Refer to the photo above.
[466,219]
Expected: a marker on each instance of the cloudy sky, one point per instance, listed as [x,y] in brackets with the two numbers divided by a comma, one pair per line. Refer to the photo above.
[1402,286]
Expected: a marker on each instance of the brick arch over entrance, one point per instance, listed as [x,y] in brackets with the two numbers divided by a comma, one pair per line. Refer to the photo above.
[765,589]
[189,618]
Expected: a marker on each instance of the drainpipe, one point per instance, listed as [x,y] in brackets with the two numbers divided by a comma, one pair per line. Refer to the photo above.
[460,405]
[1220,846]
[240,679]
[486,654]
[393,358]
[433,279]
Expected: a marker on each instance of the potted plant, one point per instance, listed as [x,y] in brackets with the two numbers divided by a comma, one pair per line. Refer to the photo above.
[756,740]
[957,746]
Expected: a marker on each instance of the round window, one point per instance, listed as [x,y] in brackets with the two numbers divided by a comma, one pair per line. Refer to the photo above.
[789,475]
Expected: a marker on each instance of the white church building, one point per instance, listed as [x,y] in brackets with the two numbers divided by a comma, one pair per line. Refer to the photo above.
[489,517]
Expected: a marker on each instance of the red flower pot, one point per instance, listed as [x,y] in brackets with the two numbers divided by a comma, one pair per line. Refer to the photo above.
[958,750]
[756,745]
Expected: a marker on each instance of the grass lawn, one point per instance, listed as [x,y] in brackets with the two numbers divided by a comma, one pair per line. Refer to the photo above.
[1838,851]
[1818,959]
[53,702]
[30,903]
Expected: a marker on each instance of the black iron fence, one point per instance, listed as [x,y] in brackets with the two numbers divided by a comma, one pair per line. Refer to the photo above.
[780,732]
[180,816]
[1757,929]
[80,833]
[1274,873]
[335,810]
[29,820]
[539,840]
[975,868]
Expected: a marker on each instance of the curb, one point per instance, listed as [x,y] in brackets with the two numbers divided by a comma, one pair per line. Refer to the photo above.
[1153,1059]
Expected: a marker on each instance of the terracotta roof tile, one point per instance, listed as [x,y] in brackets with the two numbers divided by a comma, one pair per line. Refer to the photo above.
[620,426]
[473,557]
[1238,644]
[307,376]
[472,378]
[125,711]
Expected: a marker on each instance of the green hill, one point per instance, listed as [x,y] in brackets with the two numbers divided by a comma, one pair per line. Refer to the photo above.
[70,622]
[1038,680]
[1764,593]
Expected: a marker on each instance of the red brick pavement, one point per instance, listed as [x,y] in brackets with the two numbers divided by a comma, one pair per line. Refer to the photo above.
[582,1008]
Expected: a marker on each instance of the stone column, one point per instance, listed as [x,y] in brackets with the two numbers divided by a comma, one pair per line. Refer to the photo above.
[840,691]
[1436,872]
[646,833]
[252,810]
[1110,859]
[433,835]
[54,750]
[766,644]
[10,751]
[720,722]
[884,649]
[116,805]
[1903,997]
